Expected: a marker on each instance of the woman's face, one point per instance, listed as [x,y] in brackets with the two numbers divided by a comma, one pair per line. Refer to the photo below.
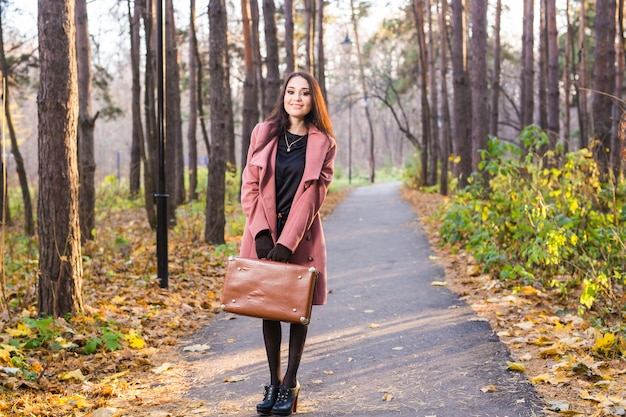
[297,100]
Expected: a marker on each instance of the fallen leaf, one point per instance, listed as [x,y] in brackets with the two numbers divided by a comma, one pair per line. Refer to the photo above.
[438,283]
[235,378]
[76,374]
[164,367]
[516,366]
[374,326]
[328,372]
[196,348]
[387,397]
[489,388]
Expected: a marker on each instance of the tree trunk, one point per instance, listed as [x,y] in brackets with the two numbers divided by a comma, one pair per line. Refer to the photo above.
[192,151]
[427,138]
[319,67]
[581,85]
[604,82]
[309,35]
[480,93]
[434,99]
[445,135]
[86,125]
[542,67]
[372,159]
[60,261]
[220,111]
[553,76]
[150,162]
[29,228]
[528,71]
[497,70]
[257,60]
[567,80]
[616,155]
[462,126]
[272,80]
[250,115]
[137,149]
[174,164]
[290,45]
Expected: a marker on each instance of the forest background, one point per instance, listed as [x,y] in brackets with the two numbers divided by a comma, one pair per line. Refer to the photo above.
[508,107]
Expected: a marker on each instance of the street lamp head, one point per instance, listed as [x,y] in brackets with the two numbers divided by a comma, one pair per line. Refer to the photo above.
[346,44]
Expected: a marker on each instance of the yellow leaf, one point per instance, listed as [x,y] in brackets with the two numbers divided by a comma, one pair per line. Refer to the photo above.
[75,374]
[540,378]
[543,341]
[328,372]
[516,366]
[5,356]
[118,300]
[439,283]
[19,331]
[605,343]
[387,397]
[134,339]
[374,326]
[489,388]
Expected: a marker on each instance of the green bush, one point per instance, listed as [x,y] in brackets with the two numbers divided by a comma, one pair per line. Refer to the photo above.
[543,218]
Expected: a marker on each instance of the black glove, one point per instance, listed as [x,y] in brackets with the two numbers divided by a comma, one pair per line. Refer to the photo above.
[280,253]
[264,244]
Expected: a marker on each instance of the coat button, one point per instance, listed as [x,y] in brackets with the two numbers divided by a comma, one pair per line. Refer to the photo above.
[310,258]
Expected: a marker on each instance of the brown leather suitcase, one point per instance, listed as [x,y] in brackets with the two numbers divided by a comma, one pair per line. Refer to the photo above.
[269,290]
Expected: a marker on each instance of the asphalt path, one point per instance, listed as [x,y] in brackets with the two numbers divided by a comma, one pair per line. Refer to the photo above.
[388,343]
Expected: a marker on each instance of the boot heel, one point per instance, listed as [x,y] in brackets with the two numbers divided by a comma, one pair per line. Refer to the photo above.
[287,401]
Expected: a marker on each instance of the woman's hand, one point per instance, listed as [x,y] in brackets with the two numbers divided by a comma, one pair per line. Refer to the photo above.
[280,253]
[263,243]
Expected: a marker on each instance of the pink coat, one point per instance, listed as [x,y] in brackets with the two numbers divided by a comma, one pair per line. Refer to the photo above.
[302,233]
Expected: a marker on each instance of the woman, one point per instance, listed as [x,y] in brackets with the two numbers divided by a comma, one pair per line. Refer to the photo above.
[289,168]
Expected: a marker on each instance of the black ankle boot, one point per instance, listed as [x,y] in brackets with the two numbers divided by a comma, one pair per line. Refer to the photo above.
[287,401]
[264,408]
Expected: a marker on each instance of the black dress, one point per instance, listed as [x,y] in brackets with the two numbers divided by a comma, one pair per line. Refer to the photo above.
[290,160]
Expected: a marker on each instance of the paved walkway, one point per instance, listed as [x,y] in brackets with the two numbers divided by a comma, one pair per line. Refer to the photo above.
[388,343]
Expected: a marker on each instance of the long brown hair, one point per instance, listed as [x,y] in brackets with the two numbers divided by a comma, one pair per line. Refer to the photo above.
[318,116]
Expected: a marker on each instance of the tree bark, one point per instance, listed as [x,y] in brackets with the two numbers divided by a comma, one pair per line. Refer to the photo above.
[250,116]
[462,126]
[272,80]
[553,76]
[150,161]
[427,138]
[434,99]
[528,72]
[497,70]
[60,261]
[309,34]
[445,132]
[567,80]
[581,85]
[86,126]
[604,82]
[290,45]
[137,148]
[174,164]
[542,67]
[320,70]
[617,147]
[29,228]
[192,147]
[220,111]
[480,109]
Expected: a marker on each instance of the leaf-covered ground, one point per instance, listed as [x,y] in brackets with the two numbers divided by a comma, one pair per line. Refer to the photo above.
[117,358]
[112,360]
[568,360]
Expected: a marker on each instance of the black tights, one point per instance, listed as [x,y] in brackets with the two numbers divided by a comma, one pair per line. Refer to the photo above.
[272,334]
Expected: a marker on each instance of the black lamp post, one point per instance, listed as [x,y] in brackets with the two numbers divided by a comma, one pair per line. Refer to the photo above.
[161,197]
[346,45]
